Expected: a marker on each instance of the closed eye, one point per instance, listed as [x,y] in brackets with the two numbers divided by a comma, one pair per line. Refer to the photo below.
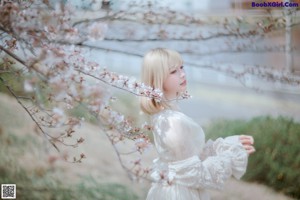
[173,72]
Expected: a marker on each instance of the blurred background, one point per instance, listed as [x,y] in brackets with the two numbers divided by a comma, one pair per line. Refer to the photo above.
[225,101]
[215,92]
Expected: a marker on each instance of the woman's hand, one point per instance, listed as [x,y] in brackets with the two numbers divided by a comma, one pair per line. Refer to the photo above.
[247,142]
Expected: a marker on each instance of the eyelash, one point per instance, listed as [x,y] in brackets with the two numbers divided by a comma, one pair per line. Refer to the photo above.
[173,72]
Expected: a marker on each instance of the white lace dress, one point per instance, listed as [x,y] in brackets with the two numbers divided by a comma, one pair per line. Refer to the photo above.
[186,165]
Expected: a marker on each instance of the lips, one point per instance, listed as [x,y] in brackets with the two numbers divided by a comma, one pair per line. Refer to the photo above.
[183,83]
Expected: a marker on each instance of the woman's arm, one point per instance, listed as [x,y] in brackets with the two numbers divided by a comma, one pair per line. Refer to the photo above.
[245,140]
[229,157]
[210,173]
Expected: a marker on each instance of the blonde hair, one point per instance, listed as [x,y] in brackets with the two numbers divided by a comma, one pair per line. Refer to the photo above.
[157,64]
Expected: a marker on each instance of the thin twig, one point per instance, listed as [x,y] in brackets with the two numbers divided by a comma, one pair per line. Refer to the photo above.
[13,55]
[24,107]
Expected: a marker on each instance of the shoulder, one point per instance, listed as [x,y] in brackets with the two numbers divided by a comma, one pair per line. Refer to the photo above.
[172,118]
[167,115]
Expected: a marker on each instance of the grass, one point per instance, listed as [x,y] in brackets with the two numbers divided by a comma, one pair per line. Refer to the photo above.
[276,161]
[45,182]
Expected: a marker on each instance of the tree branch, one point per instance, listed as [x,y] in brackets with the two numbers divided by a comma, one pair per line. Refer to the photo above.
[11,54]
[28,112]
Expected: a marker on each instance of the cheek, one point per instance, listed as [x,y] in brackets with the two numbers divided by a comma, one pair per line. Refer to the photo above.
[166,85]
[170,84]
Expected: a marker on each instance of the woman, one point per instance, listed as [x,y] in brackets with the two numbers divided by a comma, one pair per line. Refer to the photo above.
[186,166]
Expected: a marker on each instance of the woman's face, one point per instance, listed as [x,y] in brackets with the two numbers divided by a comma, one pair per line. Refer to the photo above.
[175,83]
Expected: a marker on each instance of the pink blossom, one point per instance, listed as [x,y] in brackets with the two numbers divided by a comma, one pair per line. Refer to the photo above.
[97,31]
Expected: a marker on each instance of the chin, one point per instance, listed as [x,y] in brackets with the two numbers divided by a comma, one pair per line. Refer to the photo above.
[182,91]
[183,88]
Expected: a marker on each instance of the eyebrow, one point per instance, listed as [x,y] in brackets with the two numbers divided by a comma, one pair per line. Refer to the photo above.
[175,67]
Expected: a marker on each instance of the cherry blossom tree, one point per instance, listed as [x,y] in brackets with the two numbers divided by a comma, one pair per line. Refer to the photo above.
[43,46]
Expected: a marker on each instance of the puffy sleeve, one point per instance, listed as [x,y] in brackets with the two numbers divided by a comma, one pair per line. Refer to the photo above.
[189,169]
[215,148]
[210,146]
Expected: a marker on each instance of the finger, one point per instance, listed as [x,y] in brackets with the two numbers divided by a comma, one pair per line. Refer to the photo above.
[251,139]
[251,150]
[247,147]
[245,139]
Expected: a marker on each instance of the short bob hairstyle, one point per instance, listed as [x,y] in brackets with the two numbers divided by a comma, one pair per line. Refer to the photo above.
[156,67]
